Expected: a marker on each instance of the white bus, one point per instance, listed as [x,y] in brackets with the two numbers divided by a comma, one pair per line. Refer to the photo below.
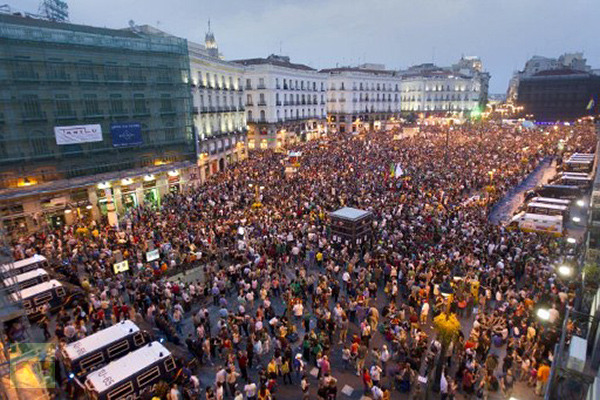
[551,224]
[103,347]
[25,265]
[27,279]
[551,200]
[578,165]
[53,292]
[548,209]
[575,180]
[131,375]
[580,174]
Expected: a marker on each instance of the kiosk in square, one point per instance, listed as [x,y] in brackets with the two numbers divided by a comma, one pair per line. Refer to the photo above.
[351,226]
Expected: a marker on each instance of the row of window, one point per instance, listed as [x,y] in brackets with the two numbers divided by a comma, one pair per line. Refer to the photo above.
[24,69]
[288,115]
[215,81]
[90,105]
[443,107]
[288,100]
[441,97]
[286,84]
[442,88]
[379,86]
[220,100]
[365,97]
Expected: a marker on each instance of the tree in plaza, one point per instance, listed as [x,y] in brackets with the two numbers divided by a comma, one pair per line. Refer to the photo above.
[447,327]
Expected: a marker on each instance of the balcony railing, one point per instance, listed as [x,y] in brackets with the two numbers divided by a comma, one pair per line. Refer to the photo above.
[248,87]
[262,103]
[261,87]
[278,103]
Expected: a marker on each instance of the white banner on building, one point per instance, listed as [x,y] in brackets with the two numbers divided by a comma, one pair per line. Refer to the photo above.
[78,134]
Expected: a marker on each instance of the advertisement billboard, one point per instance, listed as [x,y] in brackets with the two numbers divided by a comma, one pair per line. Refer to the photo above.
[77,134]
[126,134]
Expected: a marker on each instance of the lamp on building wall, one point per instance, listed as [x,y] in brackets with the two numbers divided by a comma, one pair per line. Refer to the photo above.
[173,173]
[149,178]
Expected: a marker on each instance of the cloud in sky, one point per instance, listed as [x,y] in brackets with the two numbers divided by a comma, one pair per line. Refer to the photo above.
[398,33]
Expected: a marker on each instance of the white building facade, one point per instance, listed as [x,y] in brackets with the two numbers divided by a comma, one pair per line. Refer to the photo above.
[361,97]
[285,102]
[219,117]
[460,89]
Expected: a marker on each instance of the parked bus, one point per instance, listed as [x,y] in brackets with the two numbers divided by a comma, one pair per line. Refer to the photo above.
[131,375]
[102,347]
[25,265]
[556,191]
[551,224]
[574,180]
[550,200]
[548,209]
[578,164]
[27,279]
[53,292]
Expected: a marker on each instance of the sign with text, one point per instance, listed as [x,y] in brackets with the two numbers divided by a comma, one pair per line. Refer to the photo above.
[121,267]
[126,135]
[152,255]
[77,134]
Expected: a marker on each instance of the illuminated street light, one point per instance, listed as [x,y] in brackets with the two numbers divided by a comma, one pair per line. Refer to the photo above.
[580,203]
[565,270]
[571,240]
[543,314]
[576,219]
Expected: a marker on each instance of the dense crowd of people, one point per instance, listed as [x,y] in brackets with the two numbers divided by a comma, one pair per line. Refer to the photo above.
[277,303]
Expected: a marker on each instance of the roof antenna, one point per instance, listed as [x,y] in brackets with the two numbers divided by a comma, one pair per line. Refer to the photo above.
[280,51]
[209,25]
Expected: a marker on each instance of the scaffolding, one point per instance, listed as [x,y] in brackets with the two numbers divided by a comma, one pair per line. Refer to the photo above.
[61,74]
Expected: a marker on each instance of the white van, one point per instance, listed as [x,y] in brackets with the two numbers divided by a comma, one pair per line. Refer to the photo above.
[527,222]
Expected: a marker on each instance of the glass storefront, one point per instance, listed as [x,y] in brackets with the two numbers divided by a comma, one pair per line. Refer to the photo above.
[129,201]
[102,201]
[151,198]
[174,184]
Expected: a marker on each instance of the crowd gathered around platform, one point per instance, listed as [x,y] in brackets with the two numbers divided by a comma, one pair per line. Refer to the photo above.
[276,298]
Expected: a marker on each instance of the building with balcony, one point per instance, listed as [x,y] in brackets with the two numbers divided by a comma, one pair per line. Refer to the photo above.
[461,89]
[285,102]
[90,118]
[219,117]
[361,97]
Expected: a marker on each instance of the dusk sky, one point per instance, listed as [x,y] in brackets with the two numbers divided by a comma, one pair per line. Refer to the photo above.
[397,33]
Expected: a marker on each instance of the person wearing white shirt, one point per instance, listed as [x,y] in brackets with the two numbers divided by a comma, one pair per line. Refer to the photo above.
[298,310]
[250,390]
[376,392]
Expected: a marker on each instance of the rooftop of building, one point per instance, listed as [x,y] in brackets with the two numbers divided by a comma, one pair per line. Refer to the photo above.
[42,23]
[375,69]
[275,60]
[349,213]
